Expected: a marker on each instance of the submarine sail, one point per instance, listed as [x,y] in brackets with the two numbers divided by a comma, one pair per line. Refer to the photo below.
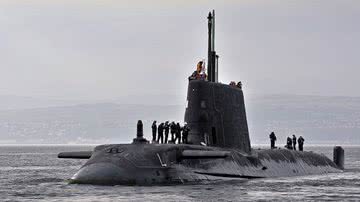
[215,111]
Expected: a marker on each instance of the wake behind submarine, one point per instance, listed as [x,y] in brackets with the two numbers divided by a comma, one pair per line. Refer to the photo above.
[218,144]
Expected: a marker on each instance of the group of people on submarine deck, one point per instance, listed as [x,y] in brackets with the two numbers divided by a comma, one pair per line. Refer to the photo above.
[178,133]
[290,142]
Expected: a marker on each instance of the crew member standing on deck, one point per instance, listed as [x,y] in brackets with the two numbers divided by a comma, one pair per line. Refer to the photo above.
[294,142]
[154,127]
[272,140]
[160,138]
[172,131]
[301,143]
[185,134]
[177,133]
[166,127]
[289,143]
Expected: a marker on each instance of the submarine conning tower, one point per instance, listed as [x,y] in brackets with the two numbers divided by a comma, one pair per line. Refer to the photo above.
[216,112]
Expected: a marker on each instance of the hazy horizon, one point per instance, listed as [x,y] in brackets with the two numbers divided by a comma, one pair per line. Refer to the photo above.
[321,120]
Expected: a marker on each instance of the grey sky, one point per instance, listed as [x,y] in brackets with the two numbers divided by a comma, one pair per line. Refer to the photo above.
[108,49]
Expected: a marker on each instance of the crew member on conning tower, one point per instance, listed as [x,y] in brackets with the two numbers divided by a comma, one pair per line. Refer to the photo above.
[239,85]
[200,72]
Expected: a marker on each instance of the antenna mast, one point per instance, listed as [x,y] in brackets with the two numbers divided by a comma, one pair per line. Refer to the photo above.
[212,57]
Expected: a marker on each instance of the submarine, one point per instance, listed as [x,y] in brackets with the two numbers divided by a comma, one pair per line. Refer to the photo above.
[218,146]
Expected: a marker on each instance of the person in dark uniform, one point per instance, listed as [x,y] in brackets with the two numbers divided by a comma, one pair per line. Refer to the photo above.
[301,143]
[160,138]
[172,131]
[239,85]
[294,141]
[185,134]
[289,143]
[154,127]
[272,140]
[166,128]
[177,133]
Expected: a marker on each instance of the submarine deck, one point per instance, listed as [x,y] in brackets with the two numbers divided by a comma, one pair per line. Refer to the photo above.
[179,163]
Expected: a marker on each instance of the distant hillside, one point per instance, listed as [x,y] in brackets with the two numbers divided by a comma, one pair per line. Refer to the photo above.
[12,102]
[93,123]
[327,120]
[9,102]
[319,119]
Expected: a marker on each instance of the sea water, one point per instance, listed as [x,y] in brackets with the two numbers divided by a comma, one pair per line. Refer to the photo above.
[34,173]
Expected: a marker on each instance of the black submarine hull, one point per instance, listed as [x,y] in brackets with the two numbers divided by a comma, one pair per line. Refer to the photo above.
[149,164]
[218,144]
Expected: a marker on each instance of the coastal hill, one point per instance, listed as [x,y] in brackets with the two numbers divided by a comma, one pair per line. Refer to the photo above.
[321,120]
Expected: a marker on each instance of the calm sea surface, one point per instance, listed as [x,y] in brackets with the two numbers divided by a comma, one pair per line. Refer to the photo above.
[34,173]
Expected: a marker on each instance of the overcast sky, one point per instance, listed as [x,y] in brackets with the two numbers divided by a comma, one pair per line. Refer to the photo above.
[87,49]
